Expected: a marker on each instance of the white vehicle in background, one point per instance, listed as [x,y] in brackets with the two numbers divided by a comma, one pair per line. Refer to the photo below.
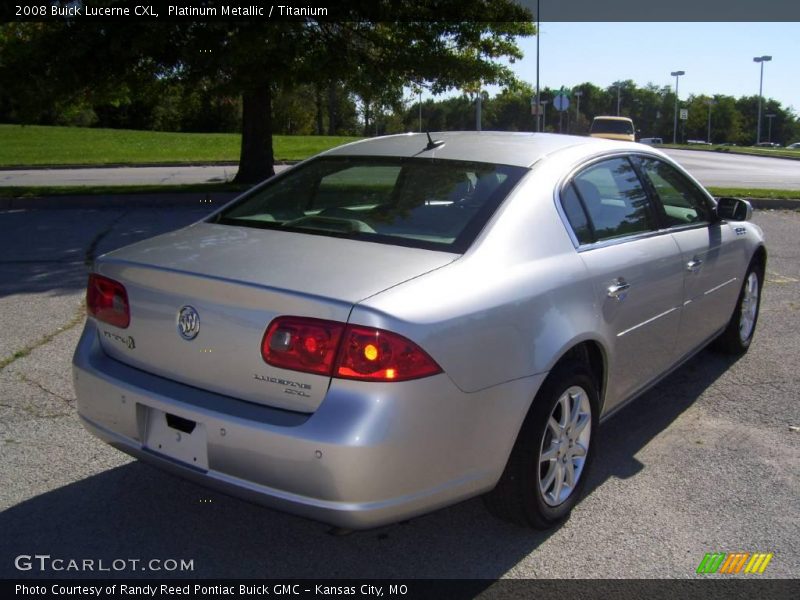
[613,128]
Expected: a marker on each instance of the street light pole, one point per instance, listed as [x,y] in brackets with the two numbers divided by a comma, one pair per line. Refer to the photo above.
[577,94]
[676,74]
[617,100]
[761,60]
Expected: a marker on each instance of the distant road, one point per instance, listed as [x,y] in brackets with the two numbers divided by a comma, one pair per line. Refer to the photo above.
[739,170]
[121,175]
[710,168]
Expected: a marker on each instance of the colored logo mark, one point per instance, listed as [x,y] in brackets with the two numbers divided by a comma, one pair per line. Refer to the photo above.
[735,562]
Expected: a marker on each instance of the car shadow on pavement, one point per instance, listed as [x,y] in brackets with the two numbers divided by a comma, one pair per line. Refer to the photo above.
[632,428]
[138,512]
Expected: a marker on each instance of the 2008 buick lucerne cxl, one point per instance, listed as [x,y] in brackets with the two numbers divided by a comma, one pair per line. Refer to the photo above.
[405,322]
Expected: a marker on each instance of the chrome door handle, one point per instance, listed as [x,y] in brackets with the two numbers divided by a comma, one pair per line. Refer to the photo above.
[619,289]
[694,264]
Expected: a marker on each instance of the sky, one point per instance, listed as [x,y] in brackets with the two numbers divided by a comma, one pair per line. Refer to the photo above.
[717,57]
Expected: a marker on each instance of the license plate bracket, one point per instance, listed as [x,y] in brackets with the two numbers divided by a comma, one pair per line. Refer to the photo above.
[176,437]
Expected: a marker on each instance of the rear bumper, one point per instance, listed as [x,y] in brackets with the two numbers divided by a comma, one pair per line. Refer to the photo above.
[373,453]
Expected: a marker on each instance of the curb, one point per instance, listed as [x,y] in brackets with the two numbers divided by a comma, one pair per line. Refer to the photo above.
[197,163]
[776,204]
[726,152]
[212,200]
[209,200]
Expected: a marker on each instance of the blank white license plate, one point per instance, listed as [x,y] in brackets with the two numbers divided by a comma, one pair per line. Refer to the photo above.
[183,440]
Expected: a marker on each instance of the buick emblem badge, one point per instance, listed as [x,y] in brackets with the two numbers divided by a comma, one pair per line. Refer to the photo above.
[188,323]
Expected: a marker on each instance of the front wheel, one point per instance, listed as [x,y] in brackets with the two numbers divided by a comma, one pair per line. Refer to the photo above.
[739,333]
[548,466]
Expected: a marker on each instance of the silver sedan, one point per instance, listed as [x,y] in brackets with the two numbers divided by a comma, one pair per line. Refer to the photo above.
[402,323]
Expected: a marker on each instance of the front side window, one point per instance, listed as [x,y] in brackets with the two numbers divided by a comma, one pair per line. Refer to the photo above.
[613,199]
[678,200]
[425,203]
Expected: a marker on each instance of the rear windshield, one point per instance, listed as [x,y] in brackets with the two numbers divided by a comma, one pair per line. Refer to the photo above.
[425,203]
[612,126]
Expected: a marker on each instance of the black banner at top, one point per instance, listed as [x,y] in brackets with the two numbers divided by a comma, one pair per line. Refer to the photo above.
[386,10]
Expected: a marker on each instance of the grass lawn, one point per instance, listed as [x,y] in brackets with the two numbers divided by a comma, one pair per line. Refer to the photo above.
[38,145]
[754,193]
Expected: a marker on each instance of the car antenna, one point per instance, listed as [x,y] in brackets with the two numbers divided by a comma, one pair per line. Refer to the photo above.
[432,144]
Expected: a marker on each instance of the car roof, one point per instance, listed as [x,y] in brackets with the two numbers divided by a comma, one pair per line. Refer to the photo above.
[500,147]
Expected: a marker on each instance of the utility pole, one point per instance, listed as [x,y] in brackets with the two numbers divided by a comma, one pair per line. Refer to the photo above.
[676,74]
[538,35]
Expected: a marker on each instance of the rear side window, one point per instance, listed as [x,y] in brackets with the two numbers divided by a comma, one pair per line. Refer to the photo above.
[576,215]
[613,200]
[436,204]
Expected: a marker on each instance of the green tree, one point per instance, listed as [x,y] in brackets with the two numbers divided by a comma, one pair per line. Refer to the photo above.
[594,102]
[254,59]
[511,109]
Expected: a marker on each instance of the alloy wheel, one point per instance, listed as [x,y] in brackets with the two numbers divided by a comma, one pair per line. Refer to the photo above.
[565,445]
[749,310]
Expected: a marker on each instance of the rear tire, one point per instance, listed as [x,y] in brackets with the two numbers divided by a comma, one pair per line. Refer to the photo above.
[549,464]
[738,334]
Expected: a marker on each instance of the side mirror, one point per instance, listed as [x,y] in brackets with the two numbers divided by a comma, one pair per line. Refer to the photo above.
[734,209]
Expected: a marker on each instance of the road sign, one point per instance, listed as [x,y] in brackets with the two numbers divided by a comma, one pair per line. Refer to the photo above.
[561,102]
[684,114]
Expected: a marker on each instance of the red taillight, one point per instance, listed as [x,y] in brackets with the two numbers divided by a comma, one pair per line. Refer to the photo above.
[107,301]
[302,344]
[377,355]
[346,351]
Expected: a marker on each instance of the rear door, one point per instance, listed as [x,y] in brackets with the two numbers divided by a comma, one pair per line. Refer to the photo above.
[636,272]
[709,258]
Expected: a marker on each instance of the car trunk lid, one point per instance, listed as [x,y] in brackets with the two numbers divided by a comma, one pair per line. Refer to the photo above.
[237,280]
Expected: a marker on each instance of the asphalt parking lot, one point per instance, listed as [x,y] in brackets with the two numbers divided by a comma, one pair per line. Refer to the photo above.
[708,461]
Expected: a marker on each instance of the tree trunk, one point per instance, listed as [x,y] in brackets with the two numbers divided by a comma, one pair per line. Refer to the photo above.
[257,158]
